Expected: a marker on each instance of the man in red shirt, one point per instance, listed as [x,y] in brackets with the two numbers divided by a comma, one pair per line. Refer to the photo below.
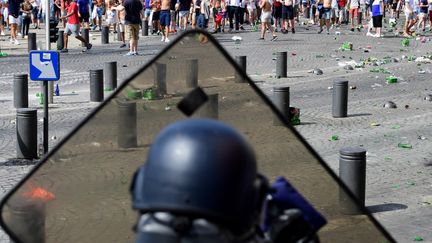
[73,26]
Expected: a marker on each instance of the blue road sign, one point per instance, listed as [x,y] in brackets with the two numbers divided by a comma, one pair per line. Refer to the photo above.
[44,65]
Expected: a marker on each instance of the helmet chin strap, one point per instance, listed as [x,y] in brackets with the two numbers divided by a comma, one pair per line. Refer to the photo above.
[165,227]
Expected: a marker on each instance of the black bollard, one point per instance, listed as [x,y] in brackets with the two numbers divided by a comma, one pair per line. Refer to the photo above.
[160,81]
[144,28]
[352,171]
[60,40]
[281,64]
[27,220]
[96,85]
[281,99]
[26,132]
[105,35]
[85,33]
[20,84]
[31,42]
[210,109]
[110,75]
[340,99]
[192,73]
[241,60]
[127,125]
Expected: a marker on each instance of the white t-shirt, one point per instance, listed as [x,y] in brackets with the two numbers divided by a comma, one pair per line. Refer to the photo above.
[36,3]
[354,4]
[235,3]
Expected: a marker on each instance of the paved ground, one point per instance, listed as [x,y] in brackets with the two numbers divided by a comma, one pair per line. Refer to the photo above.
[398,179]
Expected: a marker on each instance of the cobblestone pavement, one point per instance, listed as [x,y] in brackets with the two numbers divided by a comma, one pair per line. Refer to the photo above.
[398,179]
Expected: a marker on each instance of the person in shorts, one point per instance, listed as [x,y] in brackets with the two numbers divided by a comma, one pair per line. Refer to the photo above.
[165,19]
[73,27]
[288,16]
[184,13]
[121,13]
[84,12]
[423,14]
[266,16]
[2,33]
[133,10]
[98,11]
[277,13]
[410,18]
[377,17]
[325,16]
[354,6]
[13,12]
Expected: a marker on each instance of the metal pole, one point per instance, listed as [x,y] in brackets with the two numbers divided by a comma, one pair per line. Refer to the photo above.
[127,125]
[60,40]
[105,35]
[281,64]
[20,84]
[110,75]
[31,41]
[45,118]
[160,81]
[26,132]
[192,73]
[49,95]
[144,28]
[352,171]
[340,99]
[241,60]
[281,99]
[96,85]
[47,18]
[27,219]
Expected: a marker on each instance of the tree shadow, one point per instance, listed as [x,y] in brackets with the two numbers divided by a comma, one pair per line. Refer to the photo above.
[386,207]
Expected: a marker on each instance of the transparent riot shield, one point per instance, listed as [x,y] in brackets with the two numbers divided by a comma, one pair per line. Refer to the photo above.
[80,191]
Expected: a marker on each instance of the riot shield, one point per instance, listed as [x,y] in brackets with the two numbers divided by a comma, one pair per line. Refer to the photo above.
[80,191]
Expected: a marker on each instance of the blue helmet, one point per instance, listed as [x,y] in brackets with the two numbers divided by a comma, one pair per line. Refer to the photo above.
[201,168]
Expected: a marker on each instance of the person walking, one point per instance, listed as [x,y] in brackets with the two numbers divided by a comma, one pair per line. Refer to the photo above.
[26,10]
[266,16]
[13,12]
[133,10]
[73,27]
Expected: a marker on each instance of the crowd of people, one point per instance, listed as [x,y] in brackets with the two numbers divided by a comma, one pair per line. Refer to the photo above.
[166,17]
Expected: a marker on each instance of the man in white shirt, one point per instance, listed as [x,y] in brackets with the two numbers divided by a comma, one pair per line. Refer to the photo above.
[233,12]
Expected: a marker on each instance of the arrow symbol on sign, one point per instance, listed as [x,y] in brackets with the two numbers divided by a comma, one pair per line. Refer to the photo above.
[46,67]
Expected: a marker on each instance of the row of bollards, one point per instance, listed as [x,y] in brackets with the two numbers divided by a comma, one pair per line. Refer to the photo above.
[26,118]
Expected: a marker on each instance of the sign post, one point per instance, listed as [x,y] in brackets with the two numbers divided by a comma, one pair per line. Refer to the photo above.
[45,67]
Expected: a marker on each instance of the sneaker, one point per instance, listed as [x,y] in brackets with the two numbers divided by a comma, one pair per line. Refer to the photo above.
[163,39]
[123,45]
[241,27]
[19,34]
[129,54]
[327,32]
[369,34]
[89,46]
[320,31]
[64,50]
[292,30]
[16,42]
[94,27]
[136,54]
[2,33]
[274,38]
[352,29]
[358,29]
[167,40]
[261,39]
